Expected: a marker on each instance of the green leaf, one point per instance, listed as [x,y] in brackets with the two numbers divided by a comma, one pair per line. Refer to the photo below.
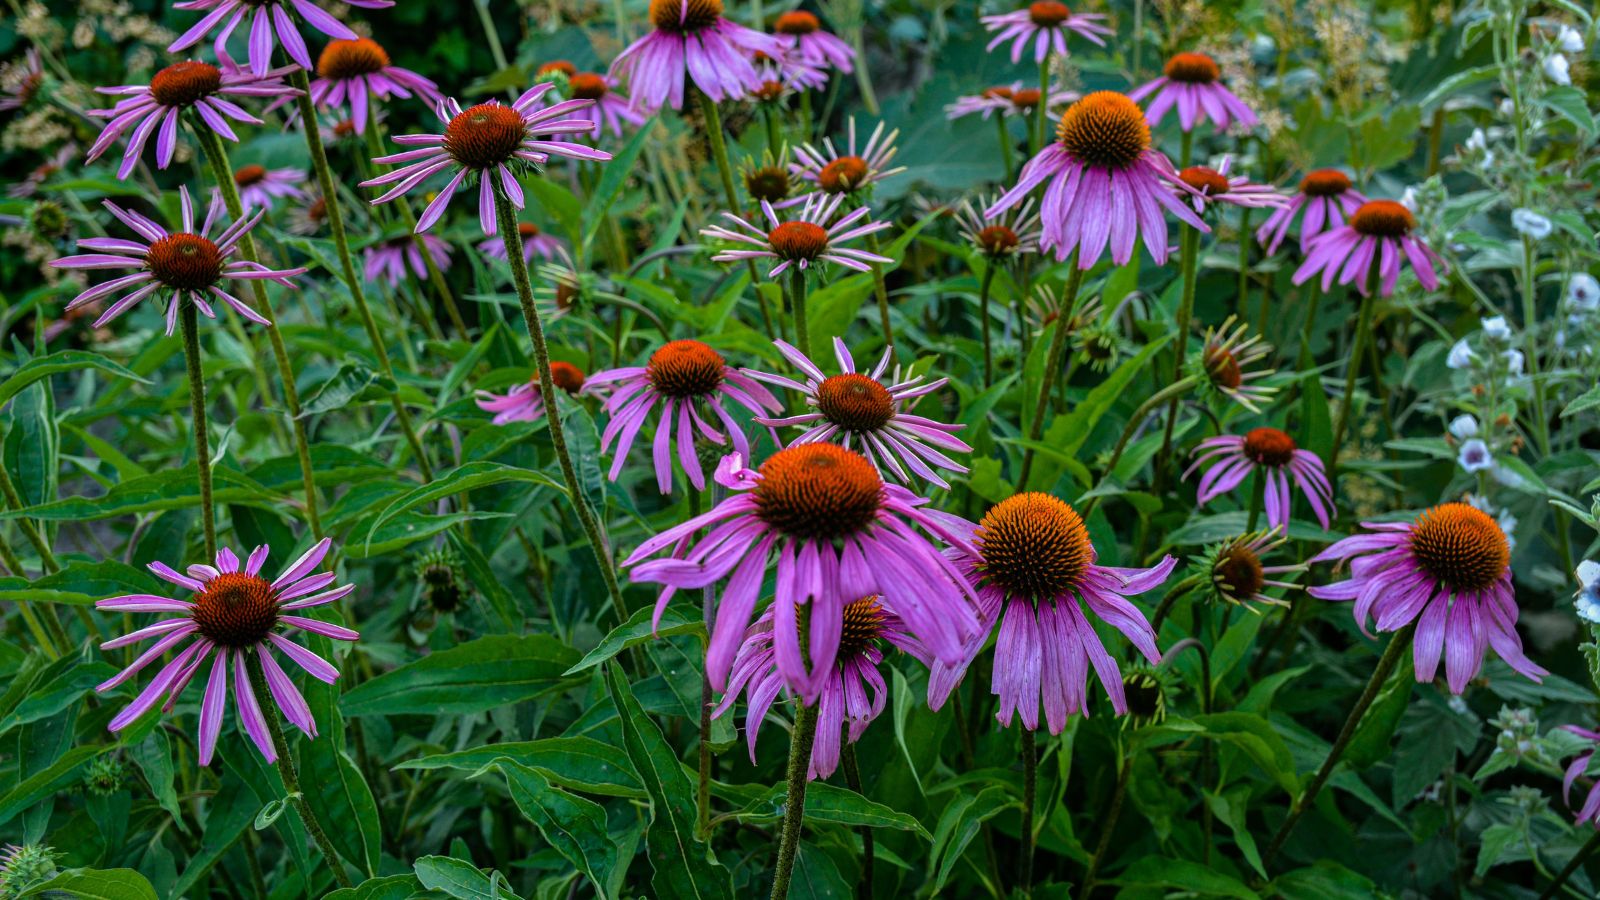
[168,489]
[575,827]
[684,866]
[958,825]
[1325,880]
[476,676]
[1374,738]
[1498,842]
[341,800]
[1232,810]
[1572,104]
[560,203]
[1182,875]
[461,880]
[1068,433]
[80,583]
[342,389]
[613,177]
[389,887]
[58,363]
[469,477]
[577,763]
[833,805]
[638,630]
[97,884]
[62,689]
[1583,402]
[1458,82]
[48,781]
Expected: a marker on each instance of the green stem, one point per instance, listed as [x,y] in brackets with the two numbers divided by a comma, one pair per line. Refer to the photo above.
[1006,148]
[512,239]
[852,777]
[1530,329]
[291,782]
[797,303]
[881,290]
[983,313]
[794,804]
[409,217]
[1171,392]
[1107,825]
[1577,860]
[491,34]
[1052,364]
[352,277]
[222,172]
[1041,113]
[869,97]
[769,114]
[1353,365]
[719,148]
[1189,246]
[188,318]
[1380,675]
[1185,149]
[1030,787]
[1257,487]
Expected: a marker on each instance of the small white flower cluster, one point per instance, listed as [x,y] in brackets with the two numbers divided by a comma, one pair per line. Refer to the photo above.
[1588,597]
[1517,729]
[1496,351]
[1556,67]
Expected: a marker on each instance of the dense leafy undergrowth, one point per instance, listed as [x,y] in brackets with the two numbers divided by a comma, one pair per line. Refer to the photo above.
[1139,449]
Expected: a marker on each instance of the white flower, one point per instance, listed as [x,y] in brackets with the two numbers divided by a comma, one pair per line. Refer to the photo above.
[1496,328]
[1588,596]
[1461,355]
[1408,199]
[1530,223]
[1463,427]
[1569,39]
[1583,292]
[1477,140]
[1507,108]
[1514,361]
[1475,456]
[1558,70]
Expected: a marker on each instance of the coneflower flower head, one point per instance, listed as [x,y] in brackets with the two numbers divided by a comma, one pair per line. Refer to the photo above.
[691,40]
[803,237]
[1044,24]
[524,402]
[1192,82]
[1212,186]
[1449,571]
[1015,99]
[1223,365]
[268,18]
[839,533]
[850,171]
[183,266]
[1273,455]
[1378,233]
[1013,233]
[235,613]
[802,33]
[190,86]
[489,141]
[1326,199]
[359,72]
[398,259]
[261,187]
[1235,570]
[1107,185]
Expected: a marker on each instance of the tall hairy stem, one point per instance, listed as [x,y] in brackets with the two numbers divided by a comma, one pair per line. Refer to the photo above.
[188,319]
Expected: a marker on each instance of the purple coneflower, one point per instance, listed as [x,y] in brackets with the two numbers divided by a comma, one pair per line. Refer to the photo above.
[859,412]
[1590,812]
[804,37]
[235,612]
[397,259]
[804,239]
[1378,230]
[524,402]
[1107,184]
[1449,572]
[838,533]
[1015,232]
[260,187]
[612,109]
[1211,186]
[21,81]
[267,17]
[1045,23]
[178,265]
[1237,573]
[1326,198]
[1034,572]
[1273,454]
[534,243]
[29,186]
[691,40]
[833,172]
[156,108]
[852,694]
[1008,100]
[1193,83]
[357,72]
[486,140]
[684,378]
[1224,361]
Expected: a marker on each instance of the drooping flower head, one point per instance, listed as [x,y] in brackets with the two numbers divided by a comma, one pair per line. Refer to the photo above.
[780,76]
[1212,186]
[1236,572]
[690,382]
[20,82]
[156,108]
[1036,578]
[181,266]
[1107,185]
[1377,233]
[802,35]
[1327,199]
[612,109]
[1193,83]
[855,169]
[838,533]
[852,693]
[1224,364]
[691,40]
[235,613]
[1013,233]
[1045,24]
[767,179]
[524,402]
[858,411]
[1449,571]
[260,187]
[1273,454]
[1146,689]
[534,243]
[398,259]
[358,72]
[488,141]
[1590,811]
[1014,99]
[808,236]
[268,18]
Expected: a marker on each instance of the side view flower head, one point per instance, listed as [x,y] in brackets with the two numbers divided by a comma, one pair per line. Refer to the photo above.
[854,168]
[268,18]
[1044,24]
[1237,573]
[397,260]
[803,34]
[358,73]
[806,236]
[524,402]
[1324,200]
[182,266]
[1212,186]
[261,188]
[1192,82]
[1275,456]
[690,40]
[1378,234]
[1014,99]
[235,619]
